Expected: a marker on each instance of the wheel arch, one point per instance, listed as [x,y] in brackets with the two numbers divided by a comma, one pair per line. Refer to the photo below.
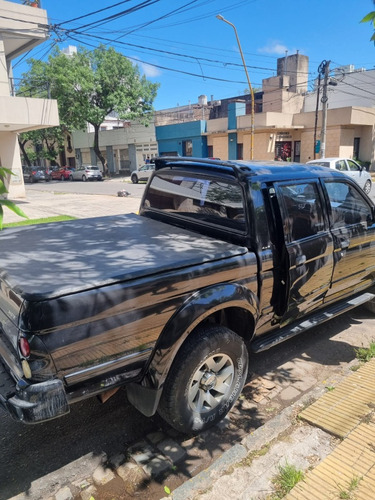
[230,305]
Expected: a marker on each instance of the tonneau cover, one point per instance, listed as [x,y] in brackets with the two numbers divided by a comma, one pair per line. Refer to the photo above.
[49,260]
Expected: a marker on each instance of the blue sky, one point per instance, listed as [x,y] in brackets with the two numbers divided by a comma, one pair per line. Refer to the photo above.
[183,46]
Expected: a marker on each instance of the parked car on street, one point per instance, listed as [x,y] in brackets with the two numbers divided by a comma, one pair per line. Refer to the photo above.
[61,173]
[86,173]
[35,174]
[348,167]
[143,173]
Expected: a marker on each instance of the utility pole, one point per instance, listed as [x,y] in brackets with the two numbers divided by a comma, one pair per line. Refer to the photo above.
[221,18]
[324,110]
[316,111]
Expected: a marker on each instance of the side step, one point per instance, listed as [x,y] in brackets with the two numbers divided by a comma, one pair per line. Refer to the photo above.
[269,340]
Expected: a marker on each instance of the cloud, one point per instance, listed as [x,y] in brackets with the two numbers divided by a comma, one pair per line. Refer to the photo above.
[274,47]
[148,69]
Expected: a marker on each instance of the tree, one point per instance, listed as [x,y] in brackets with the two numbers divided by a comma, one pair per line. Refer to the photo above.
[370,18]
[89,85]
[47,142]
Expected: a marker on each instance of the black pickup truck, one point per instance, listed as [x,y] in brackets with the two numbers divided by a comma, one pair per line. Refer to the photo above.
[224,257]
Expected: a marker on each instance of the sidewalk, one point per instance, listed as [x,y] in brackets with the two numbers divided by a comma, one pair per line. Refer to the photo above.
[41,204]
[332,441]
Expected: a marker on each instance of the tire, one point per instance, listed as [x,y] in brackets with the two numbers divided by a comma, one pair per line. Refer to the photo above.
[62,178]
[194,397]
[134,179]
[70,177]
[370,305]
[367,187]
[84,178]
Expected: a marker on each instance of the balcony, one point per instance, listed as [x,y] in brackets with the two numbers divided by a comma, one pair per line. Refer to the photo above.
[27,25]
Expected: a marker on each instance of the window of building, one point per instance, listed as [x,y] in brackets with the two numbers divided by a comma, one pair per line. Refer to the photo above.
[187,148]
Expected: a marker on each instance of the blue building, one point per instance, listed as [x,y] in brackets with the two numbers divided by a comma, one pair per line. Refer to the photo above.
[183,139]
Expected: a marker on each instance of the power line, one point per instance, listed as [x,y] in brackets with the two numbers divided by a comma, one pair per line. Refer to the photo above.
[93,13]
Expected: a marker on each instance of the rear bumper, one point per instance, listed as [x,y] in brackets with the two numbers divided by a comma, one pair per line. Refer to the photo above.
[37,402]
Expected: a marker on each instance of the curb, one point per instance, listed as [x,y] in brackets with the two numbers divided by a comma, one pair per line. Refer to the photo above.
[255,441]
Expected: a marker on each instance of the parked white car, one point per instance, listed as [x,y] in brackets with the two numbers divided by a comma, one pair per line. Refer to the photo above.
[348,167]
[143,173]
[86,173]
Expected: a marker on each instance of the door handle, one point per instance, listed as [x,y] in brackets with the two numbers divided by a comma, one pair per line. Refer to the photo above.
[344,245]
[300,260]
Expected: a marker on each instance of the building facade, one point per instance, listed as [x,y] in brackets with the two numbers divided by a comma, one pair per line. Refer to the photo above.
[125,146]
[287,119]
[22,28]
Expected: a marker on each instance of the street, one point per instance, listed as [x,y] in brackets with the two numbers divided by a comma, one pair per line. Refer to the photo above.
[108,186]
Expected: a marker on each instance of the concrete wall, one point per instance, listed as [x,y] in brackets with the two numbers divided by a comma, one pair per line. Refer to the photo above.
[171,137]
[352,89]
[19,114]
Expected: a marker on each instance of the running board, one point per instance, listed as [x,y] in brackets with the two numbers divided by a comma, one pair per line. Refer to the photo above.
[267,341]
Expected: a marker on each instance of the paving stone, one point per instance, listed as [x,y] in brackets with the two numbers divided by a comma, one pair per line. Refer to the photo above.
[132,475]
[88,493]
[156,437]
[289,393]
[64,494]
[157,465]
[172,450]
[143,456]
[102,476]
[305,384]
[117,460]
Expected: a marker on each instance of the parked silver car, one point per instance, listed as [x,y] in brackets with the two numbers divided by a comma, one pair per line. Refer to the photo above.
[348,167]
[143,173]
[86,173]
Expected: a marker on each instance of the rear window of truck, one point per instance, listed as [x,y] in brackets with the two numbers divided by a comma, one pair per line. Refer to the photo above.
[213,201]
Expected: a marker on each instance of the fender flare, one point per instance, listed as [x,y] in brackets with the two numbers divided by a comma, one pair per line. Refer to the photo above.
[145,395]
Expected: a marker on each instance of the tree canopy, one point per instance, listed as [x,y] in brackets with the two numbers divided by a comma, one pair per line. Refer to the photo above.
[370,18]
[89,85]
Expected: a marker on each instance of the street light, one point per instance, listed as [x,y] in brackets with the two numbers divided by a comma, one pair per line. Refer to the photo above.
[221,18]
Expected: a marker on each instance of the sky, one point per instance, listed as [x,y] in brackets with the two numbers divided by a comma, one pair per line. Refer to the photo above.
[183,46]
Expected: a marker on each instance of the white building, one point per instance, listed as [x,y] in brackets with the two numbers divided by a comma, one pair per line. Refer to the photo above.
[125,145]
[22,28]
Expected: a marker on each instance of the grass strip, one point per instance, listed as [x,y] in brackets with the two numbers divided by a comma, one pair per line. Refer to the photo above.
[45,220]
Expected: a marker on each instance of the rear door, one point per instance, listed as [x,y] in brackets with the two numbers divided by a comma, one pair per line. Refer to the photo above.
[353,231]
[308,244]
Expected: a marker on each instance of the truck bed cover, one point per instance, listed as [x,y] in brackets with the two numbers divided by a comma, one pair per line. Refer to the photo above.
[50,260]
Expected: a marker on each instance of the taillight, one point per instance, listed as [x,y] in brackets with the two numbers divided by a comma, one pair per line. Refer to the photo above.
[33,172]
[24,347]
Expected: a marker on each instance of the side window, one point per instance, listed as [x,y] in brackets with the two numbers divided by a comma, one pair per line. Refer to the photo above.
[353,166]
[303,210]
[341,165]
[347,204]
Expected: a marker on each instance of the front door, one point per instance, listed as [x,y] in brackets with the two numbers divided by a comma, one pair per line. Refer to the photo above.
[297,151]
[353,231]
[283,150]
[308,244]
